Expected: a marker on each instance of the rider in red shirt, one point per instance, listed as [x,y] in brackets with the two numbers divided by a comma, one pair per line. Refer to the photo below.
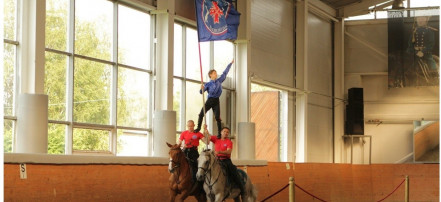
[223,148]
[189,140]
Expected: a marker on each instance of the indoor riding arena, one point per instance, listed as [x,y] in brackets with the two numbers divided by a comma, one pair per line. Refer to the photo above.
[161,100]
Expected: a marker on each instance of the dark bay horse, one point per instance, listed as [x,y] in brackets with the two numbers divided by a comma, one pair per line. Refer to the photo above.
[215,181]
[180,180]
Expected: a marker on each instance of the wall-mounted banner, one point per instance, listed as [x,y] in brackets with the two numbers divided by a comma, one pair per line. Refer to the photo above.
[413,42]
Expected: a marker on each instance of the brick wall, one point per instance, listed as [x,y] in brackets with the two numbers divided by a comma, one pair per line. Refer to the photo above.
[331,182]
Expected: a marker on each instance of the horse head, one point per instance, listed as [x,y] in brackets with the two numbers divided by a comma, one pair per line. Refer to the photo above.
[175,154]
[205,160]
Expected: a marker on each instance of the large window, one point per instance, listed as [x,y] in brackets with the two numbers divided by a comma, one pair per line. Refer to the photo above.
[269,110]
[97,78]
[187,101]
[379,11]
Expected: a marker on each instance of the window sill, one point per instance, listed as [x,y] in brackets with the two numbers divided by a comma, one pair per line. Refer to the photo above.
[83,159]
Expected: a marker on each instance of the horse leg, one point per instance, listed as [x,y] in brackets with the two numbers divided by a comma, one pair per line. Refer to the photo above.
[172,195]
[219,197]
[182,196]
[200,197]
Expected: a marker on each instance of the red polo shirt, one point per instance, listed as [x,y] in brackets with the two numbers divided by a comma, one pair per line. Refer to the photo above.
[191,139]
[222,145]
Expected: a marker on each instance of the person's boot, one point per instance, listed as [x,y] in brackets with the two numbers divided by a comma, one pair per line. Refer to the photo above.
[239,183]
[198,127]
[193,172]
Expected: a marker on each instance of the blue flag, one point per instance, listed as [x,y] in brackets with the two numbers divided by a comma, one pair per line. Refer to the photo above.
[217,20]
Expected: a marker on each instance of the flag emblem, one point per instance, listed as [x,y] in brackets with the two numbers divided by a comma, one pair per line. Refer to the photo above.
[217,20]
[214,14]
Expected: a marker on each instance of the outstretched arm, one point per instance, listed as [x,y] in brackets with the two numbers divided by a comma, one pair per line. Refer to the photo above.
[224,74]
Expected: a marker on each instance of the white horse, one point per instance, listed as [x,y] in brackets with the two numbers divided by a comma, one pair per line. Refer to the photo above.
[215,180]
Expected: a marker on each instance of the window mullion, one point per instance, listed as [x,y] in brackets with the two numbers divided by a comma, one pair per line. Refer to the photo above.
[16,71]
[114,96]
[152,72]
[183,82]
[70,79]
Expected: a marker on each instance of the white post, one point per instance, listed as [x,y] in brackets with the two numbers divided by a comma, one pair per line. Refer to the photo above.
[164,130]
[246,140]
[32,119]
[32,111]
[164,55]
[164,126]
[301,80]
[339,92]
[243,62]
[32,47]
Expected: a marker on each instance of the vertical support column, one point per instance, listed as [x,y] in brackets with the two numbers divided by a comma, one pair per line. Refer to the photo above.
[339,91]
[301,79]
[163,103]
[247,131]
[32,113]
[32,121]
[164,130]
[164,54]
[243,62]
[32,46]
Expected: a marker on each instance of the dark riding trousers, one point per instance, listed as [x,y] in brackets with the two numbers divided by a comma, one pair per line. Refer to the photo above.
[192,155]
[231,170]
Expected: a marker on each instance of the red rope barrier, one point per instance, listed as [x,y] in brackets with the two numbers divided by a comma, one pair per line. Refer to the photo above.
[275,193]
[320,198]
[393,190]
[310,193]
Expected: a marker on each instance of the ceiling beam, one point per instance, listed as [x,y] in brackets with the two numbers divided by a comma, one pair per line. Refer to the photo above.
[360,8]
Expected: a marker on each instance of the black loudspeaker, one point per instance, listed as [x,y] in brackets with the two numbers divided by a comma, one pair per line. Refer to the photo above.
[354,124]
[355,95]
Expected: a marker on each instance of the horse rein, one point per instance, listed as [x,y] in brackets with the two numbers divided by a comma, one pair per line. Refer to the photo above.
[177,165]
[208,169]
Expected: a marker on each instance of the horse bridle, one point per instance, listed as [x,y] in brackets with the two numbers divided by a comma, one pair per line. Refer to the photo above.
[177,164]
[208,169]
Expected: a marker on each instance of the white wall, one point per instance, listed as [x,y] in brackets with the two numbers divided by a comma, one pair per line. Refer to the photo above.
[319,119]
[272,41]
[366,67]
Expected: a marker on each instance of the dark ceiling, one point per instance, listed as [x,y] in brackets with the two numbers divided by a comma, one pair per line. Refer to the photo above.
[336,4]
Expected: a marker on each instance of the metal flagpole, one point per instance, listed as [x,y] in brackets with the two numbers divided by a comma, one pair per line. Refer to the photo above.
[203,95]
